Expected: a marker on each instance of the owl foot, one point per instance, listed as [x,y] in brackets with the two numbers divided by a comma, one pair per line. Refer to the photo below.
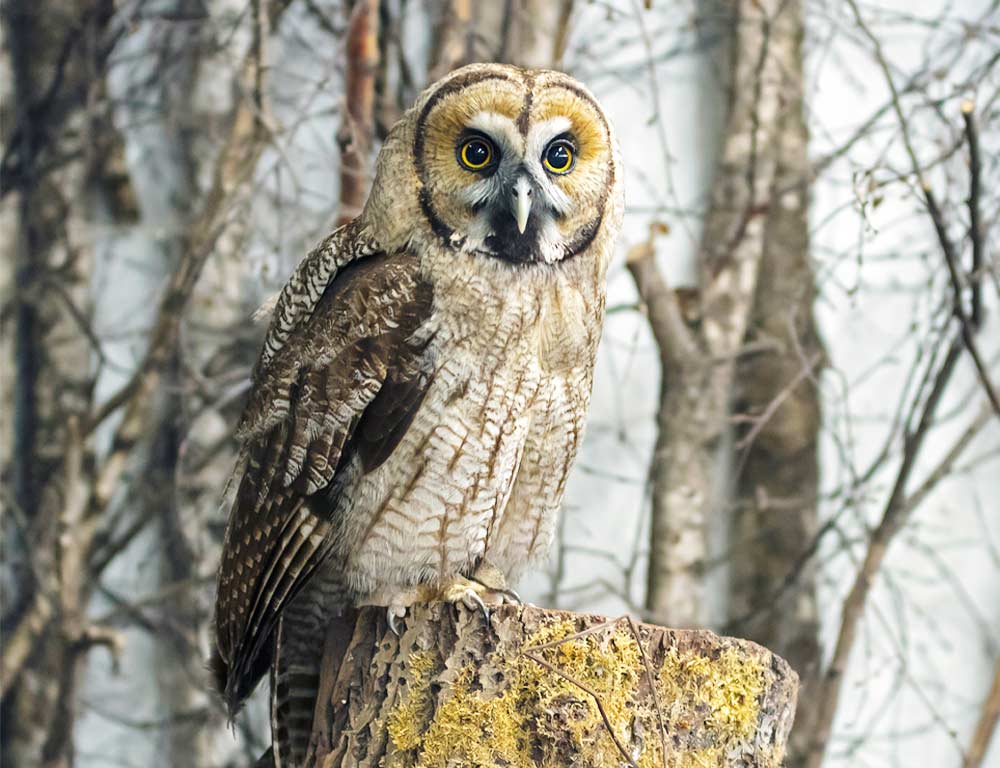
[397,602]
[460,590]
[495,582]
[468,592]
[486,587]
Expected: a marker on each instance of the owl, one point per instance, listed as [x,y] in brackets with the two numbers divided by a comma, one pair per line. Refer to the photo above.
[423,385]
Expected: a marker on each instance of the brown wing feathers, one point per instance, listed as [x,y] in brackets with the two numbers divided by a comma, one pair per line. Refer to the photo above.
[346,378]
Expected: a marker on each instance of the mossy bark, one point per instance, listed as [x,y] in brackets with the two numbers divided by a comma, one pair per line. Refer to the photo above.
[536,687]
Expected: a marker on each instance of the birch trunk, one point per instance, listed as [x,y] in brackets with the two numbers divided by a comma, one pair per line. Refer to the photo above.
[59,141]
[701,343]
[774,518]
[528,33]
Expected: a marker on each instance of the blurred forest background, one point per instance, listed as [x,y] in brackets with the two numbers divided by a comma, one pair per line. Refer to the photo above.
[795,434]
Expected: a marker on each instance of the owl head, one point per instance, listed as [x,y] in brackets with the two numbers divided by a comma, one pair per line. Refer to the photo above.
[509,164]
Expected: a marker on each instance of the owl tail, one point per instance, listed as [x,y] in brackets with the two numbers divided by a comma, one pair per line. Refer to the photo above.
[308,648]
[233,686]
[294,686]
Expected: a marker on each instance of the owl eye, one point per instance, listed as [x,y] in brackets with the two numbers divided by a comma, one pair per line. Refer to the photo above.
[559,156]
[476,153]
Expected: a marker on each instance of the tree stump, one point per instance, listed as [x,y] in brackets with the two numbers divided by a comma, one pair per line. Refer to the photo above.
[535,687]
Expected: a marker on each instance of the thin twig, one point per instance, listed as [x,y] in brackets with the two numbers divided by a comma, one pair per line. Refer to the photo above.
[986,726]
[893,516]
[975,224]
[575,636]
[968,328]
[947,462]
[652,687]
[896,511]
[593,694]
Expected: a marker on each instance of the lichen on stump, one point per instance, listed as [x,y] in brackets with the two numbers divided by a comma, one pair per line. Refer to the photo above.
[548,688]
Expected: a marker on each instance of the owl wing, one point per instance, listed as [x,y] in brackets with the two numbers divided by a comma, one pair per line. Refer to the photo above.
[309,282]
[344,379]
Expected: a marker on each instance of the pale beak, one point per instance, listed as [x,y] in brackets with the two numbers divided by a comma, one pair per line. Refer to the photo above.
[522,203]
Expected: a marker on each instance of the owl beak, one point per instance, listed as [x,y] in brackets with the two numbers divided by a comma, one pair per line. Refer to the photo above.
[522,202]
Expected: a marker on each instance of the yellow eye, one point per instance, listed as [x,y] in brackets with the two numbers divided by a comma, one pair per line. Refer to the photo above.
[558,157]
[476,153]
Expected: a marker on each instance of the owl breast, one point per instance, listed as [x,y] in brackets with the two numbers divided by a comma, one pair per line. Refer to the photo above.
[482,467]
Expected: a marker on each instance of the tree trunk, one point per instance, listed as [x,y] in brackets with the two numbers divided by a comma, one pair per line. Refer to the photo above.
[701,345]
[743,343]
[538,687]
[528,33]
[66,156]
[54,172]
[774,518]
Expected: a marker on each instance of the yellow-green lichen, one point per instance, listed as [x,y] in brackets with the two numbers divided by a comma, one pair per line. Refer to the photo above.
[709,757]
[730,686]
[406,719]
[521,723]
[528,715]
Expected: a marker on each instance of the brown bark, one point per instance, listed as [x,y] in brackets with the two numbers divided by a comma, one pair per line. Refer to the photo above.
[357,132]
[536,687]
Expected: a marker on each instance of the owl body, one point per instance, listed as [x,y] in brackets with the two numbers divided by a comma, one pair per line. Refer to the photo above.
[424,382]
[481,469]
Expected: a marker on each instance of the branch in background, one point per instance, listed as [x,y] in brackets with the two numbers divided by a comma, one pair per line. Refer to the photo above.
[967,327]
[235,166]
[975,224]
[674,341]
[948,461]
[357,132]
[451,38]
[57,56]
[258,57]
[67,89]
[987,725]
[71,594]
[896,511]
[895,514]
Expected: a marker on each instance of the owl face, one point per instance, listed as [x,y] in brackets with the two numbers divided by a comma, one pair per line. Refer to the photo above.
[513,164]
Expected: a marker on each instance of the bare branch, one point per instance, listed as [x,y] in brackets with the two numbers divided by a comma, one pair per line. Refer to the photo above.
[987,725]
[975,223]
[893,517]
[968,327]
[676,344]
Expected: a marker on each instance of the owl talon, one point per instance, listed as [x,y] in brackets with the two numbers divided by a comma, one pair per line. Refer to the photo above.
[511,594]
[469,593]
[392,614]
[494,584]
[473,597]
